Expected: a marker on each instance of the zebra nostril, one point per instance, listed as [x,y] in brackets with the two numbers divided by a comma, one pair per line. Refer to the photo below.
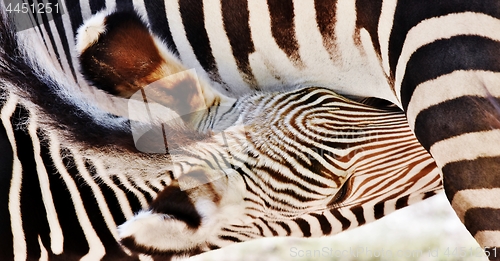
[342,193]
[175,203]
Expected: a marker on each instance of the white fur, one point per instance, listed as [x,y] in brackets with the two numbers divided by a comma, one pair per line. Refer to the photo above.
[97,249]
[56,234]
[186,53]
[444,27]
[90,31]
[452,86]
[162,232]
[475,198]
[384,31]
[488,238]
[219,43]
[43,251]
[467,146]
[15,184]
[159,231]
[266,46]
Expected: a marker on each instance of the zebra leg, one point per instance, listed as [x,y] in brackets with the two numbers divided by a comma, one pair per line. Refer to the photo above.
[119,55]
[450,89]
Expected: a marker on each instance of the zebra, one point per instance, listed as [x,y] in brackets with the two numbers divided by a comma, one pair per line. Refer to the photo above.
[436,61]
[75,173]
[409,53]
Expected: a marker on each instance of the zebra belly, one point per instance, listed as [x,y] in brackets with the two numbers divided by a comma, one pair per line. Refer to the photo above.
[262,60]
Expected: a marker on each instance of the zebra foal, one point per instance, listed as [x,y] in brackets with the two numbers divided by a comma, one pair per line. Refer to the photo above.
[90,178]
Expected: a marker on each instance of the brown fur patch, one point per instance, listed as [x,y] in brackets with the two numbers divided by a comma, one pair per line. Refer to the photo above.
[125,58]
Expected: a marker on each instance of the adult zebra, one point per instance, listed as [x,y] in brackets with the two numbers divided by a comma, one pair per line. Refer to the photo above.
[72,173]
[379,48]
[439,62]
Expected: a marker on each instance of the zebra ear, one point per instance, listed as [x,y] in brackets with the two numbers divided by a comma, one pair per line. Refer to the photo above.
[119,55]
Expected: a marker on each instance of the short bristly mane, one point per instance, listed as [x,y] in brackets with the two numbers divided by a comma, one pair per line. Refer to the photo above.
[64,109]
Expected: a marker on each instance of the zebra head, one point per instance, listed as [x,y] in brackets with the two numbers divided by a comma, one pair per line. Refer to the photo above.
[275,164]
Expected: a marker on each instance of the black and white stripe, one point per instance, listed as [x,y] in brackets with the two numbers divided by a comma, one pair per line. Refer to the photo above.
[304,164]
[437,61]
[73,176]
[56,205]
[336,165]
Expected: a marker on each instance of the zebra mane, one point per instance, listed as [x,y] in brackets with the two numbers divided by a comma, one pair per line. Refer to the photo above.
[65,109]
